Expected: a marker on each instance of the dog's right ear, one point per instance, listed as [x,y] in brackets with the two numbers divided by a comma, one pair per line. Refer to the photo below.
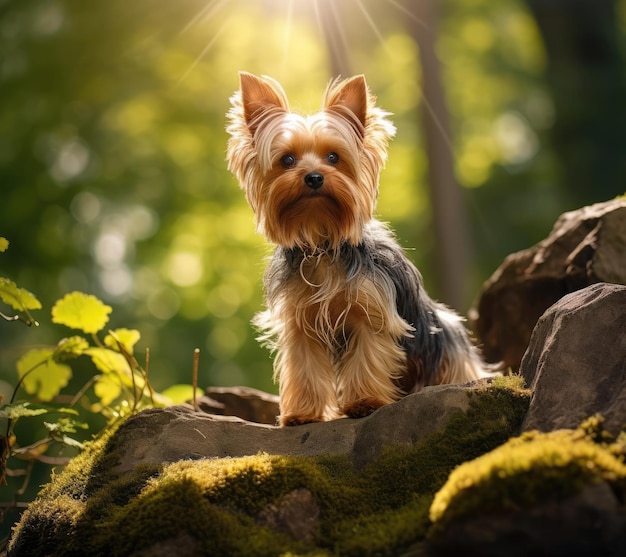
[260,96]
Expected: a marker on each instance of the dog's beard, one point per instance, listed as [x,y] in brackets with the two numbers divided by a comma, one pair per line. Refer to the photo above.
[293,215]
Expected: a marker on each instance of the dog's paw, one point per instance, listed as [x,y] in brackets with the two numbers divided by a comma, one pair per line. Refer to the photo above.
[293,419]
[362,407]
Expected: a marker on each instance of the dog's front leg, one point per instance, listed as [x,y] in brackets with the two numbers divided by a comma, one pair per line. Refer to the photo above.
[305,377]
[367,370]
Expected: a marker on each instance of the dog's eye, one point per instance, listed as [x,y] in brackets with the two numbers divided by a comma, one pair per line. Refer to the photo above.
[288,161]
[332,158]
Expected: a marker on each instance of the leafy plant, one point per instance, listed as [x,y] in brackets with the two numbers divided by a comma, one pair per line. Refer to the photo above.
[119,383]
[19,299]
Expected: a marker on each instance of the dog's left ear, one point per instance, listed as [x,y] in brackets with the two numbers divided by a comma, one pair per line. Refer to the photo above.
[352,94]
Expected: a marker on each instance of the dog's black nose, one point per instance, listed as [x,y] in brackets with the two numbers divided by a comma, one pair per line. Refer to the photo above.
[314,180]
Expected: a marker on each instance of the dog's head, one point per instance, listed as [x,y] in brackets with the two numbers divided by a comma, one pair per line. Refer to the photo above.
[312,181]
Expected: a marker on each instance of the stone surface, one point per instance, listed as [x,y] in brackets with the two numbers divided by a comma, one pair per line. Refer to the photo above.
[117,498]
[591,523]
[295,514]
[585,247]
[576,361]
[176,433]
[247,403]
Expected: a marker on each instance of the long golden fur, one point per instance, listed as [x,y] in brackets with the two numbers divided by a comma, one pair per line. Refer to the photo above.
[347,314]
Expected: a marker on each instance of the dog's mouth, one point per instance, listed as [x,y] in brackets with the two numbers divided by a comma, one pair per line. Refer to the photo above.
[311,201]
[315,194]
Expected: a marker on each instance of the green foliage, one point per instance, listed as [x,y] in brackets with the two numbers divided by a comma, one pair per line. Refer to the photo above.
[23,409]
[81,311]
[213,505]
[19,299]
[41,375]
[178,393]
[120,385]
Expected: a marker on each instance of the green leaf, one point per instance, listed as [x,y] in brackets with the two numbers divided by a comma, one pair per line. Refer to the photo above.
[58,430]
[127,337]
[4,244]
[20,410]
[71,347]
[109,361]
[81,311]
[43,377]
[26,410]
[178,393]
[18,298]
[107,389]
[65,425]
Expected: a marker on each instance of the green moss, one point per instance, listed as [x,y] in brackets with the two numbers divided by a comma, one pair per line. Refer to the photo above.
[530,469]
[214,504]
[512,380]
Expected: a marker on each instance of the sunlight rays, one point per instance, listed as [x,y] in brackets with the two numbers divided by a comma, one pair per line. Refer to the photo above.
[372,24]
[334,34]
[336,22]
[409,14]
[206,49]
[287,37]
[207,13]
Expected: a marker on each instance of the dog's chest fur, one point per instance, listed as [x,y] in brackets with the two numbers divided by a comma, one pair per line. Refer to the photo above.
[328,295]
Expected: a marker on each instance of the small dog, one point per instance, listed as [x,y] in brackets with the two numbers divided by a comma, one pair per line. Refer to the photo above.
[346,310]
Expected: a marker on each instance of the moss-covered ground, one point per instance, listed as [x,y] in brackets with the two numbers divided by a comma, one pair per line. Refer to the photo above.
[213,505]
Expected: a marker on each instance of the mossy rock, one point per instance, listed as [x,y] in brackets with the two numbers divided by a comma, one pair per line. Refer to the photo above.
[554,493]
[531,468]
[221,506]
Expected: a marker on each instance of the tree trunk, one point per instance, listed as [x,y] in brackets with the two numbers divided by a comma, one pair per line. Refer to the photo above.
[452,238]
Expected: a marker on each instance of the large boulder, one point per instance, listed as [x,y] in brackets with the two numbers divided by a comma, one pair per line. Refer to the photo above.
[177,482]
[576,361]
[163,435]
[558,494]
[586,246]
[558,489]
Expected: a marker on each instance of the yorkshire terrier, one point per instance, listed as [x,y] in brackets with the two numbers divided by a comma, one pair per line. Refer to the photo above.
[347,312]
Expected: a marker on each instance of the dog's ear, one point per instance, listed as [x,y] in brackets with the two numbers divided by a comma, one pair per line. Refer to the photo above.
[352,94]
[260,95]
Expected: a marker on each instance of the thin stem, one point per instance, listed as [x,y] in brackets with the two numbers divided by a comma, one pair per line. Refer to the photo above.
[196,359]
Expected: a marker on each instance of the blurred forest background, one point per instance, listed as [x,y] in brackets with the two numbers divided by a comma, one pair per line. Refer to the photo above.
[113,178]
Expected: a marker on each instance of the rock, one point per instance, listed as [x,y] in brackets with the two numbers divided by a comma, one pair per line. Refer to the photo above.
[295,514]
[180,545]
[408,421]
[247,403]
[555,493]
[168,481]
[585,247]
[175,433]
[590,523]
[576,361]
